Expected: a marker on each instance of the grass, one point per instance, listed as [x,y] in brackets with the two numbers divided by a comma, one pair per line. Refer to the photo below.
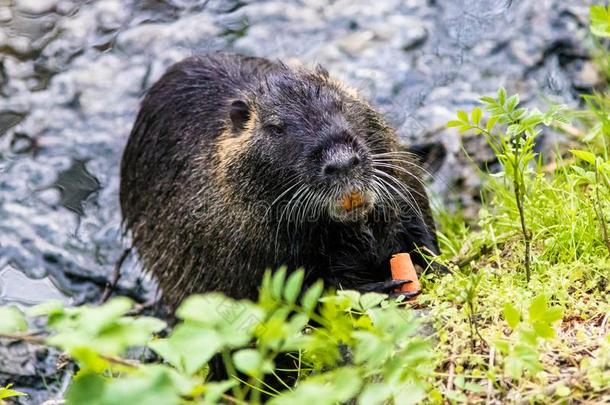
[566,210]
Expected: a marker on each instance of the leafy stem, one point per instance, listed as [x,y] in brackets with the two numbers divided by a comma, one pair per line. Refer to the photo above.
[232,373]
[519,190]
[599,210]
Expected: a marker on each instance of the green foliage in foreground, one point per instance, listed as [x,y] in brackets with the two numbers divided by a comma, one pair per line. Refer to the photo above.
[387,360]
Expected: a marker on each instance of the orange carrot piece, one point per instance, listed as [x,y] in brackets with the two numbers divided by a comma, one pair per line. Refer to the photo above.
[402,269]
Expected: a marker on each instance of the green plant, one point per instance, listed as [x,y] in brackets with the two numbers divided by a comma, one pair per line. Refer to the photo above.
[600,20]
[248,337]
[510,132]
[521,348]
[599,180]
[7,392]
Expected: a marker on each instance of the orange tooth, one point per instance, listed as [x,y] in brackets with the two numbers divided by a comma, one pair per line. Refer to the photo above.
[353,200]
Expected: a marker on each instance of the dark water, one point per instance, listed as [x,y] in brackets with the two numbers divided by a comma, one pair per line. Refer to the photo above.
[72,74]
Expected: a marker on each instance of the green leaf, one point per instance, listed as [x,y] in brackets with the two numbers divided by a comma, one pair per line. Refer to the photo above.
[277,283]
[371,300]
[102,316]
[215,390]
[293,286]
[297,323]
[312,295]
[528,358]
[150,385]
[501,95]
[513,367]
[456,396]
[375,393]
[537,308]
[502,345]
[600,21]
[476,115]
[234,320]
[464,128]
[353,297]
[488,100]
[544,330]
[7,392]
[473,387]
[250,362]
[454,123]
[584,155]
[562,391]
[512,315]
[462,116]
[512,102]
[87,388]
[553,314]
[189,347]
[347,382]
[519,113]
[52,307]
[491,122]
[12,320]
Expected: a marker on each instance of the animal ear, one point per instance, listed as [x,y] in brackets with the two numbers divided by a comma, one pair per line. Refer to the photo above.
[240,114]
[321,71]
[431,155]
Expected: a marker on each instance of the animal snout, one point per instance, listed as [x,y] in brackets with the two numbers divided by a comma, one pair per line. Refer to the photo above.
[340,162]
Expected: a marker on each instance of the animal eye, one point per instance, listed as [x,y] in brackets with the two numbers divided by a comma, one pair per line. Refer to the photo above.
[276,130]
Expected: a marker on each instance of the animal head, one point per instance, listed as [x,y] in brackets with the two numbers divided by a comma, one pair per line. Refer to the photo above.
[319,150]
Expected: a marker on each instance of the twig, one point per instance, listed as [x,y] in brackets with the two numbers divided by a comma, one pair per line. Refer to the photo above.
[600,212]
[451,373]
[602,331]
[233,400]
[451,368]
[490,365]
[29,338]
[549,391]
[119,361]
[526,233]
[463,262]
[115,276]
[37,340]
[570,130]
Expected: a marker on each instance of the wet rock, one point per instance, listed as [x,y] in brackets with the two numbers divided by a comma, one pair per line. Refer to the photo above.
[588,77]
[76,184]
[35,7]
[526,53]
[31,369]
[9,119]
[355,43]
[5,14]
[17,287]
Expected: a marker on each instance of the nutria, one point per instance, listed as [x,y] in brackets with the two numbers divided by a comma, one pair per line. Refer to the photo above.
[237,164]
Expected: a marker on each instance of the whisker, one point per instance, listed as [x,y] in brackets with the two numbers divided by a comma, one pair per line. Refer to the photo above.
[285,209]
[377,158]
[411,202]
[400,169]
[411,190]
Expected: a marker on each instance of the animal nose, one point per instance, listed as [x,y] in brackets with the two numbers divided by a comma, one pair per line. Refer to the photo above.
[340,163]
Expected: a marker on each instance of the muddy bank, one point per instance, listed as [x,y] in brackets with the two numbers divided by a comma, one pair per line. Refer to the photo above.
[72,74]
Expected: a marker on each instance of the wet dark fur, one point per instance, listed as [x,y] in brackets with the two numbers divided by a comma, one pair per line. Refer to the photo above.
[196,184]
